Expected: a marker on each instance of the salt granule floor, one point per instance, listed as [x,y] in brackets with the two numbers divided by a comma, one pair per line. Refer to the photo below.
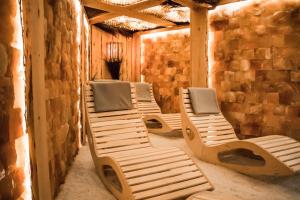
[82,182]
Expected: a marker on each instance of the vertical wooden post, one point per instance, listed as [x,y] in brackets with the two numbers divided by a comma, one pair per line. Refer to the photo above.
[199,60]
[39,102]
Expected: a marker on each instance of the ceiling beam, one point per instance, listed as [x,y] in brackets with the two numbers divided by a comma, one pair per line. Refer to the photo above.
[135,7]
[96,4]
[222,2]
[102,17]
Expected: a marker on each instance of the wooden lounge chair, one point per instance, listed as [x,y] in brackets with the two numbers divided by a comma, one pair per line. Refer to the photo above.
[127,163]
[151,112]
[212,138]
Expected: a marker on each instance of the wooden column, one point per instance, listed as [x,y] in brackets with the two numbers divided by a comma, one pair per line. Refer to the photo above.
[37,37]
[199,60]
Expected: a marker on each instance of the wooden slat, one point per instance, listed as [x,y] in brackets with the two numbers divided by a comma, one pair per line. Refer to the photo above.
[120,137]
[152,158]
[184,192]
[119,131]
[166,181]
[125,148]
[153,152]
[278,143]
[170,188]
[159,162]
[158,169]
[117,127]
[293,162]
[280,148]
[287,152]
[157,176]
[118,143]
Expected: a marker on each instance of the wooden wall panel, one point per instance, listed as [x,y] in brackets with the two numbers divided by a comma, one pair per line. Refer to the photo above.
[130,55]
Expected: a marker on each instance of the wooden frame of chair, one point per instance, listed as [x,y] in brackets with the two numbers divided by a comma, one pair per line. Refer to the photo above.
[127,163]
[209,136]
[151,112]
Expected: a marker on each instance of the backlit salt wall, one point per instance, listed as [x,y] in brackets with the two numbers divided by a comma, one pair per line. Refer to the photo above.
[166,64]
[255,65]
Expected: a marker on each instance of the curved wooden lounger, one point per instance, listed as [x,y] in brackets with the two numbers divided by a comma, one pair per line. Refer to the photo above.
[212,138]
[127,163]
[151,112]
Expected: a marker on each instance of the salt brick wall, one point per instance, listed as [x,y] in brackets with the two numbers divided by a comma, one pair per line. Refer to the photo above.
[256,67]
[11,176]
[167,66]
[62,83]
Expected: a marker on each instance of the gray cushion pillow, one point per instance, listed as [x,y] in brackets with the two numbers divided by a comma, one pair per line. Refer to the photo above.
[143,92]
[204,100]
[112,96]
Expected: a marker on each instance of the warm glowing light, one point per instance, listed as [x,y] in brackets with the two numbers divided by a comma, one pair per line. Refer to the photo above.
[164,34]
[78,10]
[122,2]
[210,54]
[227,9]
[175,14]
[22,143]
[87,39]
[232,7]
[130,23]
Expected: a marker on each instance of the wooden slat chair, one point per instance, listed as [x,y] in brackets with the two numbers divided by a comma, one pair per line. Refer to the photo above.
[127,163]
[151,112]
[212,138]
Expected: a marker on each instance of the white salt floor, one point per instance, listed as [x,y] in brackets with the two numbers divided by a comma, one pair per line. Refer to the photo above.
[82,183]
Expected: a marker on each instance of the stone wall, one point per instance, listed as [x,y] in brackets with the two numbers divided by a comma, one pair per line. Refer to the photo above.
[166,64]
[255,66]
[62,84]
[11,110]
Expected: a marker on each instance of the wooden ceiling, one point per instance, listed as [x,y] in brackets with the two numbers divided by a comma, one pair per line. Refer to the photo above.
[140,15]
